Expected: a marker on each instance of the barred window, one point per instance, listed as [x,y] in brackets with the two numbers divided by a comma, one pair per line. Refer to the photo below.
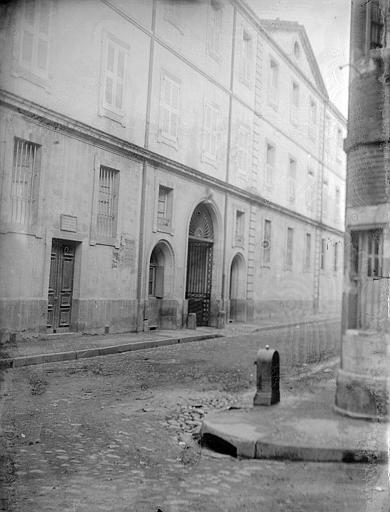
[107,202]
[25,182]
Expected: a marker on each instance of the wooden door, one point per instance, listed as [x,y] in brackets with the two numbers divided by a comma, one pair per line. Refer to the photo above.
[60,285]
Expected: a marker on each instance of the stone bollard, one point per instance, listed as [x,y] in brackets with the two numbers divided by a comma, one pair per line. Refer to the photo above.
[267,379]
[221,319]
[191,321]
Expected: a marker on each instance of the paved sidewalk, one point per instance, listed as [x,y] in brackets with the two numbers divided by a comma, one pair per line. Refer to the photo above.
[302,427]
[68,346]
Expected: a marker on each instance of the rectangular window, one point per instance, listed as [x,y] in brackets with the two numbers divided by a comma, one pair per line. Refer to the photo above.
[164,208]
[312,126]
[173,13]
[243,149]
[310,190]
[336,257]
[376,24]
[107,202]
[325,196]
[169,108]
[339,144]
[114,72]
[273,84]
[210,131]
[267,243]
[294,112]
[327,138]
[337,205]
[374,252]
[292,174]
[289,248]
[34,43]
[323,253]
[270,164]
[25,182]
[239,227]
[308,251]
[215,29]
[246,57]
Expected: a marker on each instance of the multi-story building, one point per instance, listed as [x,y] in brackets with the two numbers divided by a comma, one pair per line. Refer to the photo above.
[161,158]
[363,382]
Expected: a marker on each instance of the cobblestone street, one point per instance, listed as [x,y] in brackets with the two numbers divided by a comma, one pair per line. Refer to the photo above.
[118,433]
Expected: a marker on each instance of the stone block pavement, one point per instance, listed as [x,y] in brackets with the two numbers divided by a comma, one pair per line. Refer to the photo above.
[25,351]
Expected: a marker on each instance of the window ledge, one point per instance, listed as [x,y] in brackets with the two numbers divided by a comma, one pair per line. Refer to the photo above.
[20,72]
[164,139]
[101,240]
[114,116]
[209,159]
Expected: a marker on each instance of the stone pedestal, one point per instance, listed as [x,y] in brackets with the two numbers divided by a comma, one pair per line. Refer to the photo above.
[363,380]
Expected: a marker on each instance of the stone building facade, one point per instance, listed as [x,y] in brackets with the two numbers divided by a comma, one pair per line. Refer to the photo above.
[161,158]
[363,380]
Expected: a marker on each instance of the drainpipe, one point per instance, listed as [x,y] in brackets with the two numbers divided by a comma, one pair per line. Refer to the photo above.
[228,153]
[141,275]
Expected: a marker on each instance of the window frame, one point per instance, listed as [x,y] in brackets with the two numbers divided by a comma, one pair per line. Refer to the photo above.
[292,178]
[290,248]
[269,167]
[29,70]
[267,243]
[103,237]
[308,252]
[165,227]
[31,218]
[166,136]
[239,227]
[212,111]
[273,90]
[214,33]
[246,55]
[294,103]
[109,109]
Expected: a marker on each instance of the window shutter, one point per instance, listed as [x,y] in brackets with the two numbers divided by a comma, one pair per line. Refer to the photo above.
[43,37]
[159,283]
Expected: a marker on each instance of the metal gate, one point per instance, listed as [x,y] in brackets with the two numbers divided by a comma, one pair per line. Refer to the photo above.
[60,285]
[198,289]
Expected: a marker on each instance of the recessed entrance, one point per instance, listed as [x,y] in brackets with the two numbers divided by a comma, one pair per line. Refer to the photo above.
[200,264]
[237,289]
[59,310]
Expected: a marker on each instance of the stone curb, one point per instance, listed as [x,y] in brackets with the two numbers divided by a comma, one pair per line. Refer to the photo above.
[14,362]
[258,448]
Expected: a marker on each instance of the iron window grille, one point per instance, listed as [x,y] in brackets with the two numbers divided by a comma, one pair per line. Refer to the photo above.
[107,202]
[25,182]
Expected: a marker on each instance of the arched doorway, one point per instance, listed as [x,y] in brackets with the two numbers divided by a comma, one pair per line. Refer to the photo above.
[200,263]
[160,281]
[237,288]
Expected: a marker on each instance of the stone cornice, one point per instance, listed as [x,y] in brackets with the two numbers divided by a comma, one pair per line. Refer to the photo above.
[59,122]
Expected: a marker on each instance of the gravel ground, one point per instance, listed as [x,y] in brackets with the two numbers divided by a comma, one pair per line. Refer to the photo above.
[120,433]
